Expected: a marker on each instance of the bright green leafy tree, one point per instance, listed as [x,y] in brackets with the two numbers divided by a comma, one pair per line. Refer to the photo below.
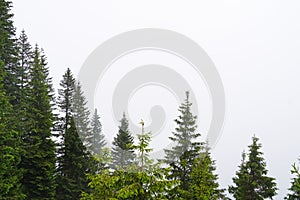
[143,181]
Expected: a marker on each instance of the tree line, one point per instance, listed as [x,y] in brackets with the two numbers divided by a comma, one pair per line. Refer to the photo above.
[52,147]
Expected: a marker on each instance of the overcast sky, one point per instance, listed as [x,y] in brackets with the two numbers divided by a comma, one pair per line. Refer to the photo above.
[255,46]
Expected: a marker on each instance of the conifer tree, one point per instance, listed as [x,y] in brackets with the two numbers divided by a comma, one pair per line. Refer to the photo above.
[10,143]
[204,183]
[122,151]
[39,160]
[25,57]
[98,139]
[81,116]
[8,49]
[73,159]
[242,188]
[10,175]
[186,148]
[294,190]
[251,181]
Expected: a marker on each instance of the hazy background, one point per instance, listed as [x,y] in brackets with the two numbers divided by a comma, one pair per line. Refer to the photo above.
[254,44]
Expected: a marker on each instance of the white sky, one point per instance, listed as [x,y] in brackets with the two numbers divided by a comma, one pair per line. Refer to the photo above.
[254,44]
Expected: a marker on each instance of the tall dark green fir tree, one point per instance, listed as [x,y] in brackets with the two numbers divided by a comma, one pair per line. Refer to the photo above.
[251,181]
[39,160]
[25,57]
[8,49]
[10,139]
[10,187]
[73,158]
[122,151]
[98,139]
[180,157]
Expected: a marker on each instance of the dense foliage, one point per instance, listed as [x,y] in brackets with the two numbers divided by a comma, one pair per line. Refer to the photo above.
[251,181]
[294,190]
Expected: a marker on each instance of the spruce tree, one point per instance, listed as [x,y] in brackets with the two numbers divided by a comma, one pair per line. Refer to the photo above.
[25,57]
[122,151]
[8,49]
[294,190]
[204,185]
[251,181]
[242,189]
[180,157]
[10,187]
[81,116]
[10,139]
[98,139]
[73,159]
[39,160]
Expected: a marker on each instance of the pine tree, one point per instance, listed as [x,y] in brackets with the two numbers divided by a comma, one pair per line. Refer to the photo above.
[73,159]
[251,181]
[122,152]
[39,160]
[10,187]
[204,185]
[186,148]
[294,190]
[98,139]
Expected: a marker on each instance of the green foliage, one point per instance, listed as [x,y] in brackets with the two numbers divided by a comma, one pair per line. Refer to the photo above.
[74,161]
[9,149]
[81,116]
[204,185]
[22,73]
[294,190]
[10,174]
[122,151]
[142,181]
[143,157]
[38,161]
[103,187]
[98,139]
[103,159]
[184,135]
[251,181]
[186,149]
